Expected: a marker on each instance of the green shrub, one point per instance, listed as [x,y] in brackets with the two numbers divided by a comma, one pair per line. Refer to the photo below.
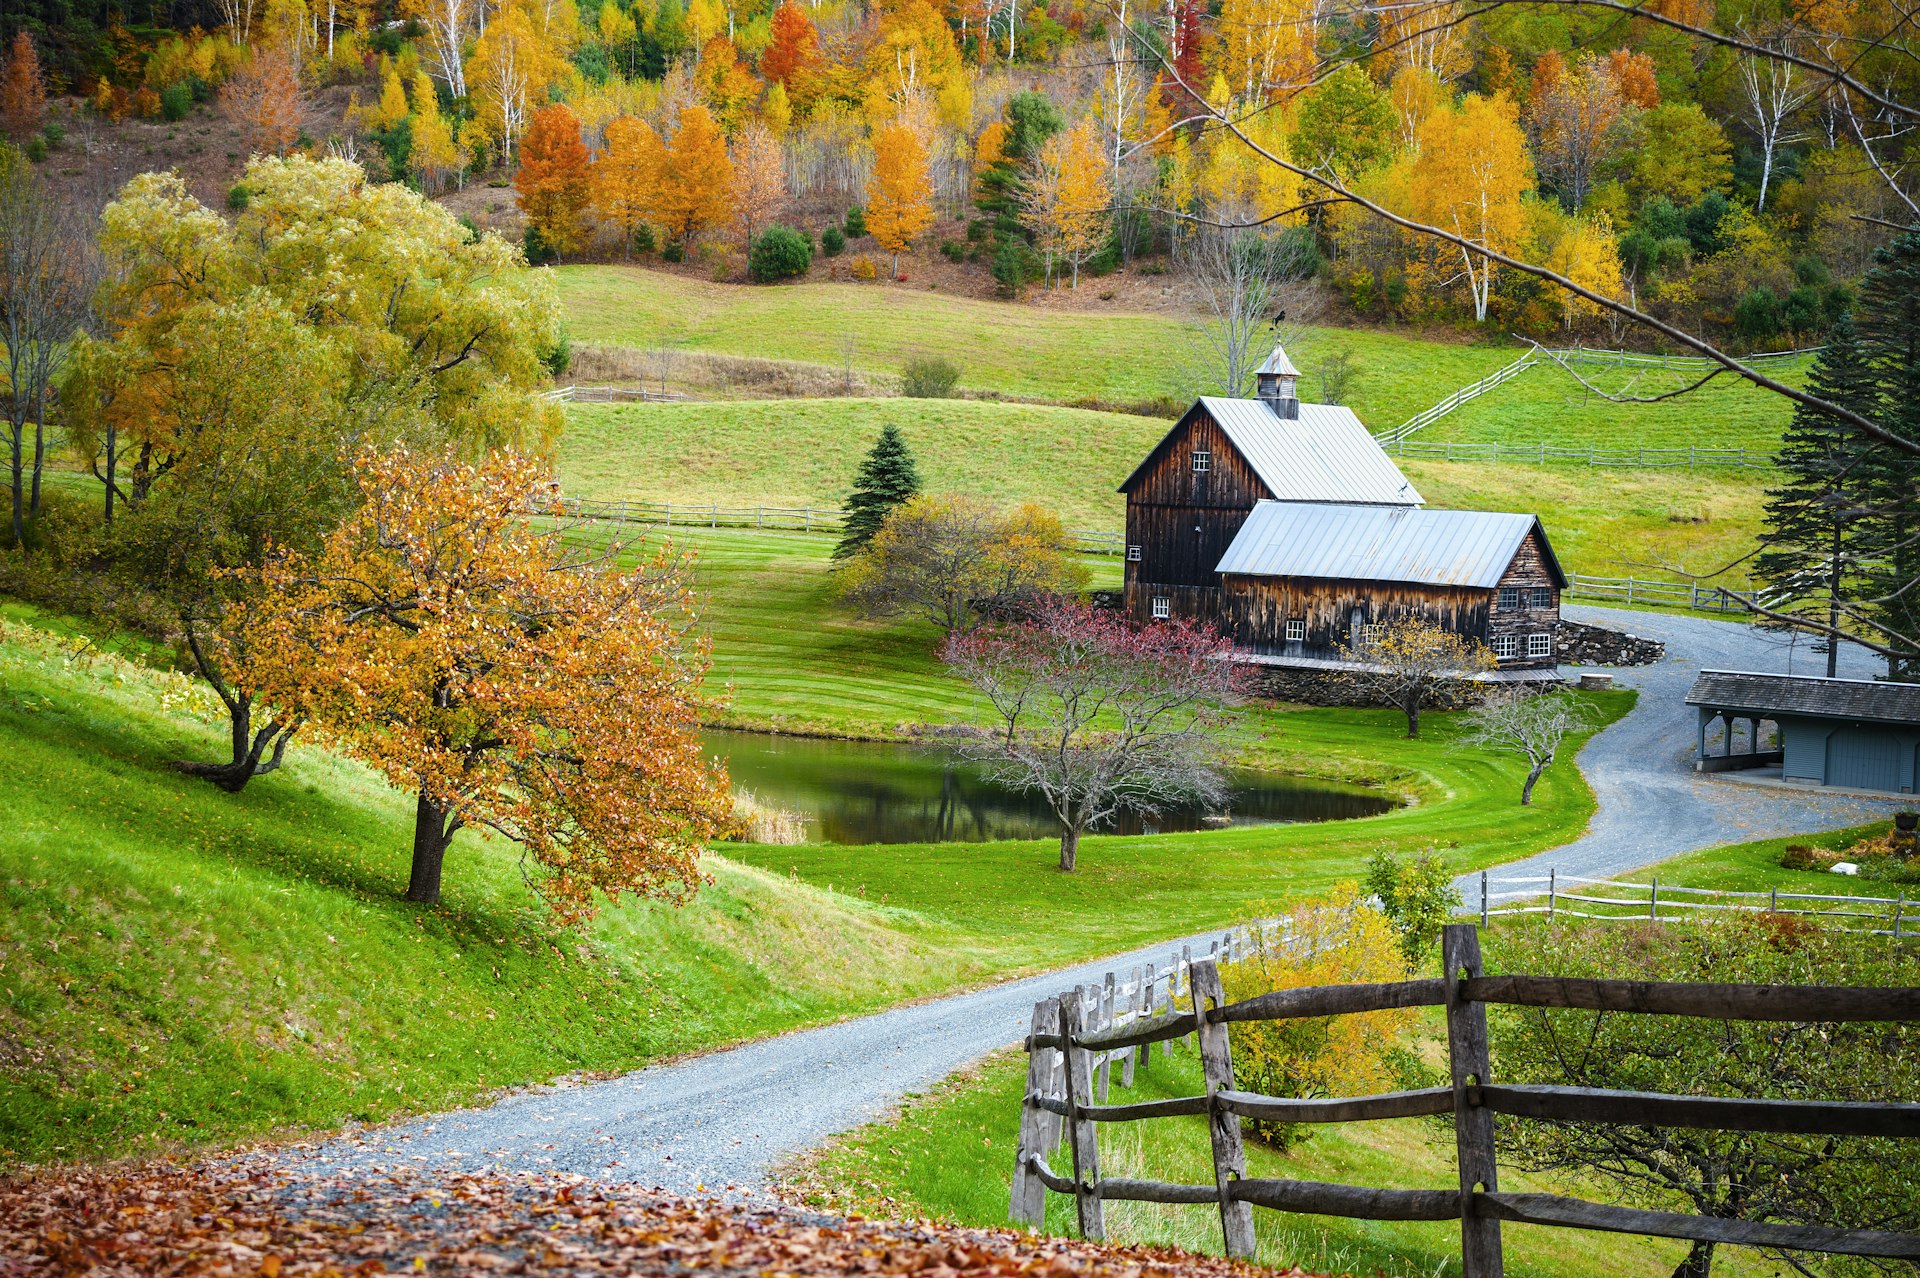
[238,196]
[559,357]
[673,253]
[54,132]
[856,222]
[779,253]
[642,240]
[929,377]
[176,100]
[538,251]
[832,241]
[36,148]
[1756,317]
[1010,266]
[1417,895]
[952,250]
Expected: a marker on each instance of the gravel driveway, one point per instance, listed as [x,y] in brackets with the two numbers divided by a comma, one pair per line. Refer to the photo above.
[1653,805]
[722,1120]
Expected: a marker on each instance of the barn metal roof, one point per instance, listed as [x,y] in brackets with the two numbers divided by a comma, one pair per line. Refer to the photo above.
[1278,365]
[1772,694]
[1324,454]
[1353,542]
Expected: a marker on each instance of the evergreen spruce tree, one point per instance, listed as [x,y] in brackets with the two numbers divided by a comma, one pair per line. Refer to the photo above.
[1888,319]
[1809,560]
[887,478]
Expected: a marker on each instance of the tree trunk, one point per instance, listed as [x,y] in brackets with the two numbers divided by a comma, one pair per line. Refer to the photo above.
[19,509]
[1412,708]
[433,829]
[39,459]
[1526,791]
[251,755]
[1699,1262]
[1069,848]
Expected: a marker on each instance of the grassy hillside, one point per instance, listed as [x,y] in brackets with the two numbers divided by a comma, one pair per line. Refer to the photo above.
[1001,347]
[1547,404]
[804,452]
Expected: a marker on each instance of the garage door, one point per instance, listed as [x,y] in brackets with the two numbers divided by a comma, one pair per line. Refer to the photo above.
[1864,759]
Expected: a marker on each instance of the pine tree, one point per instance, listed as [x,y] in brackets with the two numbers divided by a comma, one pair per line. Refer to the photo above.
[1889,323]
[887,478]
[1808,556]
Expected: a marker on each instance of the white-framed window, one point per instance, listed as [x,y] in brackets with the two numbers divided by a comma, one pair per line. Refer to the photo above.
[1162,607]
[1509,597]
[1543,597]
[1371,635]
[1133,554]
[1202,461]
[1297,630]
[1506,647]
[1540,645]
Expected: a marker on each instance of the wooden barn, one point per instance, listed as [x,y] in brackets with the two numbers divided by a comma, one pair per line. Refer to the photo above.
[1341,540]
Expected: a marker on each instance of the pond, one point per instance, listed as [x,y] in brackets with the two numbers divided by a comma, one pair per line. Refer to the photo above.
[872,792]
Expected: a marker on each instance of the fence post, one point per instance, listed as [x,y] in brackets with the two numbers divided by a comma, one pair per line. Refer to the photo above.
[1080,1137]
[1773,900]
[1468,1058]
[1149,983]
[1029,1194]
[1553,887]
[1484,913]
[1216,1065]
[1653,902]
[1899,909]
[1136,1008]
[1103,1019]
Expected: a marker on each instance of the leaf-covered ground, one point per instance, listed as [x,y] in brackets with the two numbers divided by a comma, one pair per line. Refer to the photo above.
[249,1217]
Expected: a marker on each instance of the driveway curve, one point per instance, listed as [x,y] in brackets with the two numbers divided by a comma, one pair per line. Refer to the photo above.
[1652,804]
[720,1122]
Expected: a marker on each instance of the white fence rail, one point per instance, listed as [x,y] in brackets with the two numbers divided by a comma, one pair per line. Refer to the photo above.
[1670,594]
[616,395]
[1426,417]
[814,519]
[1558,895]
[1558,454]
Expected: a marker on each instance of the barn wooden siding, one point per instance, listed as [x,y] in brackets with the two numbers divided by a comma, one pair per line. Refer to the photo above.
[1529,572]
[1257,609]
[1183,522]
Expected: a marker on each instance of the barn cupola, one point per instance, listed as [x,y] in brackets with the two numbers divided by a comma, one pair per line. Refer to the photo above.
[1278,384]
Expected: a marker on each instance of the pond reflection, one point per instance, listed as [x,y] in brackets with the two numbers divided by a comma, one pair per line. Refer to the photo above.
[873,792]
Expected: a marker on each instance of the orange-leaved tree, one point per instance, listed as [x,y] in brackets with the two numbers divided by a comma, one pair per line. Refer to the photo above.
[23,88]
[900,192]
[626,174]
[759,180]
[552,180]
[263,103]
[794,47]
[508,672]
[696,179]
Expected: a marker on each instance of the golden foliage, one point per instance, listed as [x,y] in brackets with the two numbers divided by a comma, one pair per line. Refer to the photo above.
[1470,178]
[696,178]
[552,179]
[626,174]
[899,194]
[263,102]
[1266,47]
[518,680]
[759,187]
[23,88]
[1428,37]
[1338,940]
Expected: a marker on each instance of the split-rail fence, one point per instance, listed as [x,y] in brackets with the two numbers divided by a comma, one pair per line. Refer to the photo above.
[1065,1050]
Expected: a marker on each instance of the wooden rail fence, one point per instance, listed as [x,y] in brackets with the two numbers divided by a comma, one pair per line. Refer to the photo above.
[1643,590]
[817,519]
[1570,896]
[1065,1050]
[616,395]
[1543,454]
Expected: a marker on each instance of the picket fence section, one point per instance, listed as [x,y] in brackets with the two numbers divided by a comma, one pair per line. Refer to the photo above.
[616,395]
[1558,895]
[816,519]
[1068,1046]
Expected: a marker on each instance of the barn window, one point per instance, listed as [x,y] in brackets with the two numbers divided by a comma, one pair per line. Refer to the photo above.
[1162,607]
[1509,596]
[1133,554]
[1506,647]
[1296,630]
[1543,597]
[1202,461]
[1539,645]
[1370,636]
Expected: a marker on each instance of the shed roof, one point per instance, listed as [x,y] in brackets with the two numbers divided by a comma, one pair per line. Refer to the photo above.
[1324,455]
[1805,694]
[1472,548]
[1278,365]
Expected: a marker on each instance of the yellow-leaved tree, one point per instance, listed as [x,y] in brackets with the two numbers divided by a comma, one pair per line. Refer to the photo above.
[900,192]
[1064,196]
[626,174]
[759,188]
[1341,939]
[1266,47]
[509,66]
[514,678]
[694,192]
[1470,178]
[435,154]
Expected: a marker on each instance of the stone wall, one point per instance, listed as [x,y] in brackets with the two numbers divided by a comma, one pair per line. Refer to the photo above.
[1579,644]
[1314,687]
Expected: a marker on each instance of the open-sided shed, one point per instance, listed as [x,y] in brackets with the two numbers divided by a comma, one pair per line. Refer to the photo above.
[1858,733]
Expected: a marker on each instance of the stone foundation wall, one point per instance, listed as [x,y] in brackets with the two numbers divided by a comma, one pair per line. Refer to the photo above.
[1578,644]
[1336,688]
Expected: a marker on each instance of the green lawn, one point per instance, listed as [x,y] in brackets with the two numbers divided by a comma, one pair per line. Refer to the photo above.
[1547,404]
[1002,348]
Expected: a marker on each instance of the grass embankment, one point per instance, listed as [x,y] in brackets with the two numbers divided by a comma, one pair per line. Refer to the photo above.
[185,968]
[805,452]
[1002,348]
